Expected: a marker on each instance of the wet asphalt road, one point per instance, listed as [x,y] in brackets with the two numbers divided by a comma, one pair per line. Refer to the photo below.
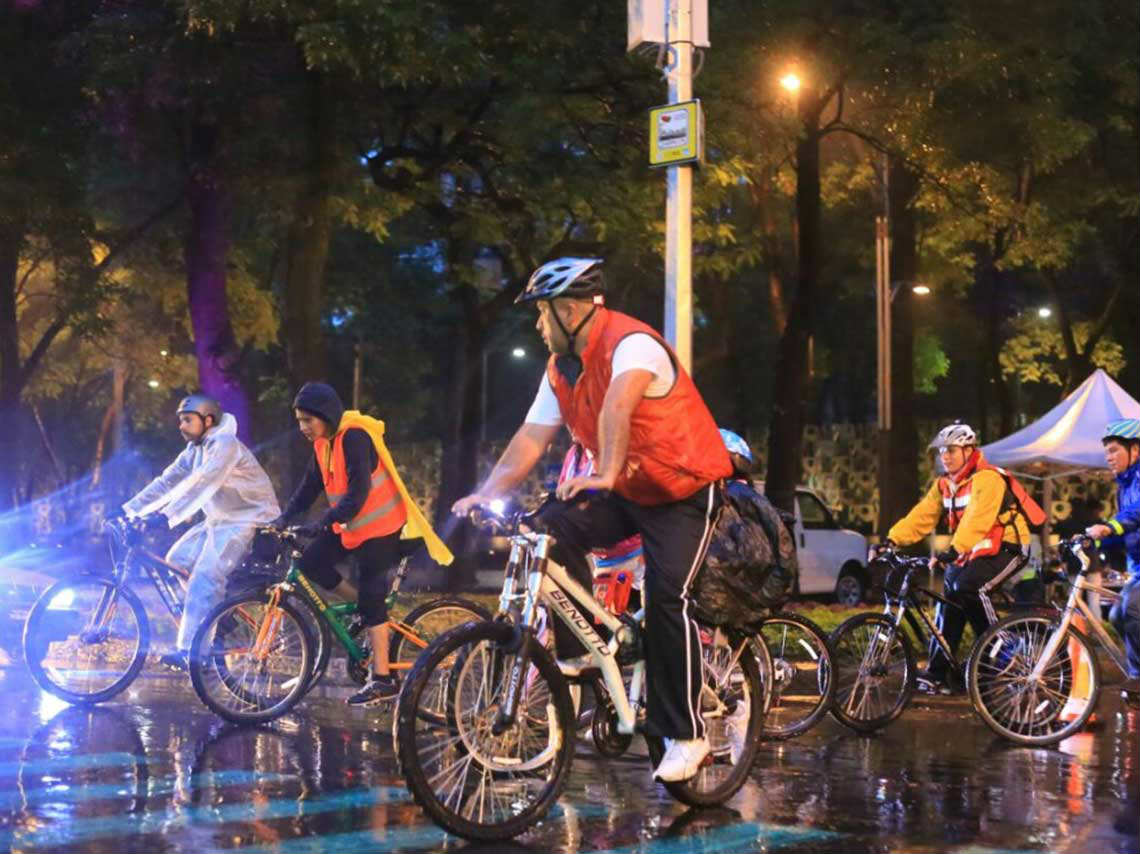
[155,772]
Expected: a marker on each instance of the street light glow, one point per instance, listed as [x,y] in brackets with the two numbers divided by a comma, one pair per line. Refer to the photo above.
[791,81]
[921,290]
[163,353]
[152,383]
[1044,311]
[518,353]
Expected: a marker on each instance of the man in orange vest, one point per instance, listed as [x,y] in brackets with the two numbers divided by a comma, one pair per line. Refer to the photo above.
[619,389]
[987,512]
[368,509]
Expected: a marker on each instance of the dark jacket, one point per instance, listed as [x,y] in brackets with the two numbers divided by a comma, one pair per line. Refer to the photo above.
[360,459]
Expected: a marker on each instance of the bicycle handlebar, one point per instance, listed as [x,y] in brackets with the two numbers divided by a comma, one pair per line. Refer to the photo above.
[1077,541]
[290,534]
[495,518]
[890,554]
[491,517]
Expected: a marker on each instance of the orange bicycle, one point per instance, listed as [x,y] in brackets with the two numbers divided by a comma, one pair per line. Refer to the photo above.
[257,654]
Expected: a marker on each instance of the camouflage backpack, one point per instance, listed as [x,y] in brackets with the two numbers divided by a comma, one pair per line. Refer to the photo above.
[750,568]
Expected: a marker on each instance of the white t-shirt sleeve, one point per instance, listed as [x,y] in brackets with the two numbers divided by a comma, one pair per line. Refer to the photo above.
[641,351]
[545,409]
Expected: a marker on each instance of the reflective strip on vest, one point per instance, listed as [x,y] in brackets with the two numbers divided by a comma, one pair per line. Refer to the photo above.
[377,480]
[379,512]
[383,509]
[987,543]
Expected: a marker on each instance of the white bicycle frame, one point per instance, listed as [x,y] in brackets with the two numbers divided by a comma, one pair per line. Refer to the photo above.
[1077,603]
[548,583]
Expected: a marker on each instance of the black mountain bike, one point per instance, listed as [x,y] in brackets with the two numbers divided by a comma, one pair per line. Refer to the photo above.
[875,661]
[86,638]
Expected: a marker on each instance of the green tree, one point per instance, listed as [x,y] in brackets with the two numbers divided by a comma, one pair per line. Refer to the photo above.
[48,230]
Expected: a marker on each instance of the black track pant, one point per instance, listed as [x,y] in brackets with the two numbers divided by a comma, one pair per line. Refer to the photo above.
[961,586]
[373,559]
[675,537]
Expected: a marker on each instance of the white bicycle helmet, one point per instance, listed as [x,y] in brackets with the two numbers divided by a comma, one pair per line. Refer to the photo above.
[957,435]
[564,277]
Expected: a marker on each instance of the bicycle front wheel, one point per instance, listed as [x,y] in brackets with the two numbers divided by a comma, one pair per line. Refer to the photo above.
[732,708]
[86,639]
[251,659]
[803,683]
[1030,709]
[874,672]
[478,777]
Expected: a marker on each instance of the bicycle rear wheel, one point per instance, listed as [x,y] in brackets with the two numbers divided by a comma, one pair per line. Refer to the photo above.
[874,672]
[732,708]
[473,781]
[86,639]
[425,624]
[1027,710]
[803,683]
[250,660]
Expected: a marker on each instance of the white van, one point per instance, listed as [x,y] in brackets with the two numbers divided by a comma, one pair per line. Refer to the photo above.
[832,559]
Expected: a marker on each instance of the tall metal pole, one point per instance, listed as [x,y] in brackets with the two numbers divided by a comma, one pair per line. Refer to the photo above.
[679,194]
[883,319]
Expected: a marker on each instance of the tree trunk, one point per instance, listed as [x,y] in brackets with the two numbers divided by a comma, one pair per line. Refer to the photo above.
[993,351]
[308,240]
[898,452]
[11,382]
[785,434]
[460,459]
[206,246]
[114,426]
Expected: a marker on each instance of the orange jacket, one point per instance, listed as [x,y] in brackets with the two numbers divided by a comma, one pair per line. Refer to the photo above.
[383,512]
[674,446]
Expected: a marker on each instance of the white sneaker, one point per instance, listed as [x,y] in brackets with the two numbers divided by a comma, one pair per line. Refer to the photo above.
[736,731]
[682,759]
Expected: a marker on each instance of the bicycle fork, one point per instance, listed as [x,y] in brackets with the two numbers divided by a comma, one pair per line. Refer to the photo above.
[878,648]
[1057,638]
[508,711]
[103,613]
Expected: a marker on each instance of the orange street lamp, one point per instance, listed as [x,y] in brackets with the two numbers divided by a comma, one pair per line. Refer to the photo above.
[791,82]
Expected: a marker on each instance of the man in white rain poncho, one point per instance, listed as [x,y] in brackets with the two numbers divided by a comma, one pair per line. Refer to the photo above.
[218,475]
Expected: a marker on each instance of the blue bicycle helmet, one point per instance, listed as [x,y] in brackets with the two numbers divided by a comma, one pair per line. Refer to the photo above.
[1125,429]
[736,444]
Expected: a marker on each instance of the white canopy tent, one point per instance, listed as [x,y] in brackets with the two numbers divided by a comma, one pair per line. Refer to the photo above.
[1066,439]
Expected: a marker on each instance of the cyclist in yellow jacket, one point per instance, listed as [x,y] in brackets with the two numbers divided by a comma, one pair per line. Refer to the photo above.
[987,512]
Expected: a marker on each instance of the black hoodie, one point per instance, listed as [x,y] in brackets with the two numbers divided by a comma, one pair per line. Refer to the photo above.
[360,458]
